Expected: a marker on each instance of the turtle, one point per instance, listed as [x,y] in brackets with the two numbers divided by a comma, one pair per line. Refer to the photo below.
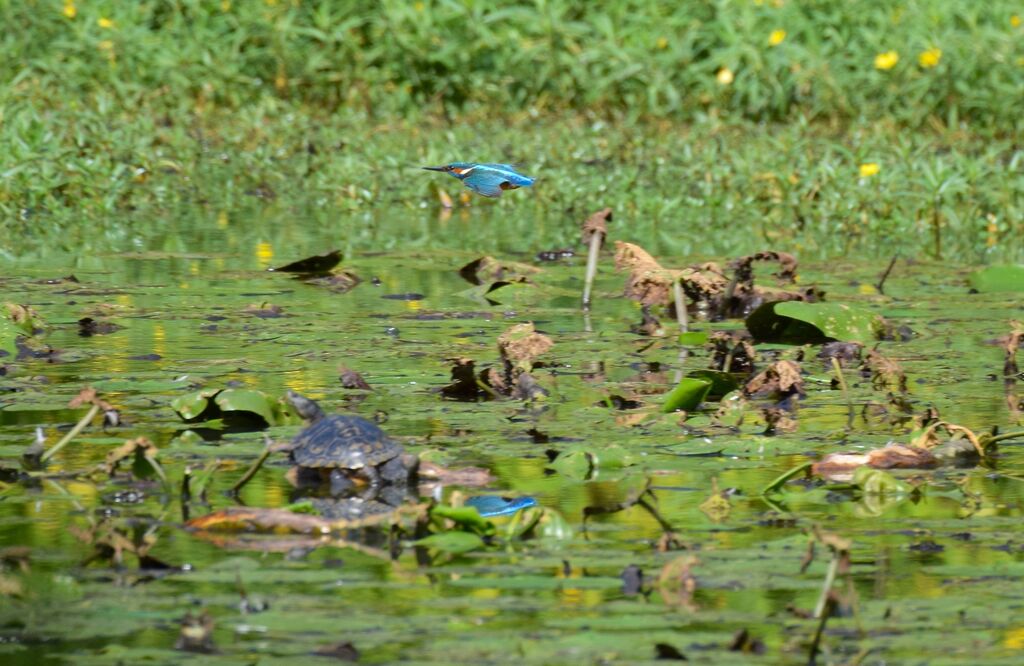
[344,445]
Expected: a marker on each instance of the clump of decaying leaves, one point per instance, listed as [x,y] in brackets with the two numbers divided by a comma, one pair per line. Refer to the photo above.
[519,348]
[677,584]
[885,373]
[779,381]
[1011,371]
[731,351]
[650,284]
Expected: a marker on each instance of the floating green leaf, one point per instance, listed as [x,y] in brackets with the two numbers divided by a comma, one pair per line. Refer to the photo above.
[796,322]
[722,383]
[465,516]
[690,392]
[998,279]
[693,338]
[876,482]
[452,542]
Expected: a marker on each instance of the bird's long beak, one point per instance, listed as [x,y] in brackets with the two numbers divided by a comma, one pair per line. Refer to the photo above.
[440,168]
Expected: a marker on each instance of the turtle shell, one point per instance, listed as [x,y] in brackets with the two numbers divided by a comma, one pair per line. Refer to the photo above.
[345,442]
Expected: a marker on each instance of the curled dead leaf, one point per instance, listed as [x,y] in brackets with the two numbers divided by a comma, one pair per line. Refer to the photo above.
[596,224]
[840,466]
[488,269]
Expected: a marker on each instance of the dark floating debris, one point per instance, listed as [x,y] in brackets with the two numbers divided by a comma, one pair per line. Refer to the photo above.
[555,255]
[343,651]
[88,327]
[315,265]
[409,296]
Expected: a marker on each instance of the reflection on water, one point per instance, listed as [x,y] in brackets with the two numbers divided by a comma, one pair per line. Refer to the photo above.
[181,292]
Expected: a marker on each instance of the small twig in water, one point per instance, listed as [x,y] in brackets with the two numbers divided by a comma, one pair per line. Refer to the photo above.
[881,281]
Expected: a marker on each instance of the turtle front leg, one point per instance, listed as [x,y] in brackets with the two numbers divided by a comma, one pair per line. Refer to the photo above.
[373,481]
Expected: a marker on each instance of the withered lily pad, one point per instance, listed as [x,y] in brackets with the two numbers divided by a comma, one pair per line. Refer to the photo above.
[795,322]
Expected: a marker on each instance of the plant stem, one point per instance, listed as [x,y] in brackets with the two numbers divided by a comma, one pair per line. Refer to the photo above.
[79,427]
[846,391]
[592,255]
[682,316]
[251,472]
[830,578]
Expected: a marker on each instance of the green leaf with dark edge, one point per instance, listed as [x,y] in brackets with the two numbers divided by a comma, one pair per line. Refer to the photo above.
[539,522]
[687,395]
[9,332]
[573,464]
[722,383]
[693,338]
[579,462]
[876,482]
[796,322]
[464,515]
[191,406]
[452,542]
[247,400]
[993,279]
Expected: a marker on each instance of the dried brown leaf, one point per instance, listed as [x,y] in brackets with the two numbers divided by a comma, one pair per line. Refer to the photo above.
[521,344]
[886,374]
[780,380]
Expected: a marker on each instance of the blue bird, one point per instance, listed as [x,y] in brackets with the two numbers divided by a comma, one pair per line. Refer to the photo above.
[487,179]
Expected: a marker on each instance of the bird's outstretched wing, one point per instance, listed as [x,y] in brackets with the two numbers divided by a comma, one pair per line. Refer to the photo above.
[485,181]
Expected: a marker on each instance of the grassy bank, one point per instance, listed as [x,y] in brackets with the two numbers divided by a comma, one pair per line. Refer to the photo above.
[833,125]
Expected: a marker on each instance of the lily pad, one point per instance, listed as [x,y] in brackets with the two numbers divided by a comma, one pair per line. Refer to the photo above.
[998,279]
[229,404]
[688,395]
[796,322]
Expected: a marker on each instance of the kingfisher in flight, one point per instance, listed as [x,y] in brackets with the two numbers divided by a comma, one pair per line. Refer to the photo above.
[488,179]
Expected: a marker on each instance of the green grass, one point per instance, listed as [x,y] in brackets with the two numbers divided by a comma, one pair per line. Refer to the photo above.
[167,104]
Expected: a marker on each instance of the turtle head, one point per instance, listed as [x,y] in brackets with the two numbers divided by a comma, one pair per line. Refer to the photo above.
[306,408]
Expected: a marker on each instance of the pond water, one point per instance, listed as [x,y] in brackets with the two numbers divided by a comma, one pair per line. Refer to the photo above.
[934,576]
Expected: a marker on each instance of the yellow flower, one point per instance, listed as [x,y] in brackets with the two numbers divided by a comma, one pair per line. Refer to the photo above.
[886,60]
[662,43]
[868,169]
[104,22]
[1015,21]
[929,58]
[69,9]
[725,76]
[225,5]
[776,37]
